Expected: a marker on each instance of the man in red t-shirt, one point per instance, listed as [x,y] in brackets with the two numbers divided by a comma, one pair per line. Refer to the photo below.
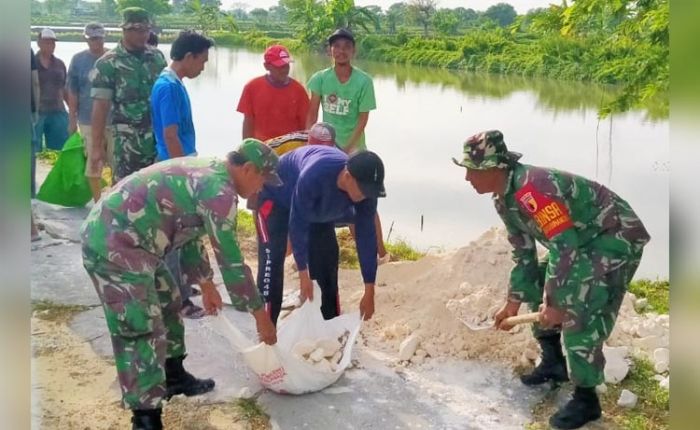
[273,104]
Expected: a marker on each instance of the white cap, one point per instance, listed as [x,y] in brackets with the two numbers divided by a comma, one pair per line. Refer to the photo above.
[47,33]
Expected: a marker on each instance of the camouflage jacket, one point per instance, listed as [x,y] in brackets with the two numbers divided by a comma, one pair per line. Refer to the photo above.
[588,230]
[168,205]
[126,79]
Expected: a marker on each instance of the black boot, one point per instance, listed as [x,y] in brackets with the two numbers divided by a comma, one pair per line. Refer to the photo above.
[553,365]
[583,408]
[180,381]
[146,419]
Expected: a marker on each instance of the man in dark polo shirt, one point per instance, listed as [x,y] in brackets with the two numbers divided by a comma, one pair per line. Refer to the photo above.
[52,125]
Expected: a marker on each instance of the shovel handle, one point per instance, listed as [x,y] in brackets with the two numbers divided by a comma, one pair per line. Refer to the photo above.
[522,319]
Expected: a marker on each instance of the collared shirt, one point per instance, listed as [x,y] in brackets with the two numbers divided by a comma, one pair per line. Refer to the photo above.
[126,79]
[80,71]
[170,105]
[582,223]
[52,80]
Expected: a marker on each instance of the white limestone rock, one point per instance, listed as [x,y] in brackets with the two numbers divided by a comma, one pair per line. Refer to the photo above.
[616,365]
[627,399]
[408,347]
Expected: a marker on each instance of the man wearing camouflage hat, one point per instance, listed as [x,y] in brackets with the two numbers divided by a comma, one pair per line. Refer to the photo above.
[160,209]
[595,243]
[122,80]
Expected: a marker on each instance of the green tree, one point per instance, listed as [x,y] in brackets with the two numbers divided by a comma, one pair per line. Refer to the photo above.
[396,15]
[445,22]
[502,13]
[108,9]
[208,15]
[422,11]
[278,13]
[344,13]
[155,7]
[260,15]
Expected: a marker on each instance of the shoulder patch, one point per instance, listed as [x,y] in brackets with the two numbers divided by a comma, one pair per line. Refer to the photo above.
[550,215]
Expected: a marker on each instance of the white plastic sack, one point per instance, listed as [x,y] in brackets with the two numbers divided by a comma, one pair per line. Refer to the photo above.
[278,368]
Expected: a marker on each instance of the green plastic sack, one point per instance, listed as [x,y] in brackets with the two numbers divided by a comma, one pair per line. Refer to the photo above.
[66,184]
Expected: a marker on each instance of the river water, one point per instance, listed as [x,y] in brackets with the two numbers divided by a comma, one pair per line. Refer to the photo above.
[424,115]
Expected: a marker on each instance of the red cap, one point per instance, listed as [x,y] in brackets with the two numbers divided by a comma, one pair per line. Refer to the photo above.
[277,55]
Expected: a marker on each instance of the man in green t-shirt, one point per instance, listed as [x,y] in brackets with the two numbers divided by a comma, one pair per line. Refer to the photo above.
[345,93]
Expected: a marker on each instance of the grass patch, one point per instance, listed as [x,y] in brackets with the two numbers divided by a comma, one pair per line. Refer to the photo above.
[50,311]
[245,224]
[48,156]
[253,413]
[652,410]
[399,250]
[656,293]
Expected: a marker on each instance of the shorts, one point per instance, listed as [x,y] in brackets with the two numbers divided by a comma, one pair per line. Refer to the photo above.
[86,132]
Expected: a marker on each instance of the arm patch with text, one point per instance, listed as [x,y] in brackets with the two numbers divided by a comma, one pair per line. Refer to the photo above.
[550,215]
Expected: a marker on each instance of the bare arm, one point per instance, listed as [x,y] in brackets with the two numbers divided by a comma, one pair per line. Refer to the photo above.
[172,142]
[72,111]
[100,109]
[357,132]
[247,126]
[312,116]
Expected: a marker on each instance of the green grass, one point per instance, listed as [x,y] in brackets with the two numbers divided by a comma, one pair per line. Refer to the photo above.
[48,156]
[246,223]
[51,311]
[656,293]
[253,413]
[399,250]
[652,410]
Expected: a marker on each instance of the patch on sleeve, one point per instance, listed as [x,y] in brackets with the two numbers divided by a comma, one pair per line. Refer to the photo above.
[550,215]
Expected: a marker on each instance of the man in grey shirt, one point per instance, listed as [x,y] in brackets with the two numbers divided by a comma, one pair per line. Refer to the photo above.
[80,102]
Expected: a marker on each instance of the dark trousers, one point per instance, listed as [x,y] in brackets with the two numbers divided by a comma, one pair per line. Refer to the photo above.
[272,225]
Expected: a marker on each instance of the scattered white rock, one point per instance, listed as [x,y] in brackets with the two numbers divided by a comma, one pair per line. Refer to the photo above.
[245,393]
[408,347]
[627,399]
[664,383]
[616,366]
[640,305]
[661,366]
[601,389]
[662,354]
[650,343]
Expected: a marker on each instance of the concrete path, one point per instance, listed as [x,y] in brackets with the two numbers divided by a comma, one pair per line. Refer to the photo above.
[371,395]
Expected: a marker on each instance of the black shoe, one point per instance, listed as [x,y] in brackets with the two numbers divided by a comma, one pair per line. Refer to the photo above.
[180,381]
[146,419]
[581,409]
[553,365]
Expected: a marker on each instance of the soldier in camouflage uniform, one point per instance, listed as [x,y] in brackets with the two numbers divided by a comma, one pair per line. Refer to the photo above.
[123,78]
[169,206]
[595,243]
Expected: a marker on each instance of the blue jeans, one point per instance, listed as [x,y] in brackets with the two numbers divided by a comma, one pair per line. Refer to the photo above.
[52,128]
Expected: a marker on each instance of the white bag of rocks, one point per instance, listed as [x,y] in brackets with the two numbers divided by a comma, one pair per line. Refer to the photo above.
[311,353]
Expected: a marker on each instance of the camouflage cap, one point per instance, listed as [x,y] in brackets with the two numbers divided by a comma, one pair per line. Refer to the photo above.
[135,17]
[263,157]
[486,150]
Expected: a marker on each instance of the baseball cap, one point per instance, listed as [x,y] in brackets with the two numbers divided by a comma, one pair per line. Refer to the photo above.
[277,55]
[47,33]
[368,170]
[263,157]
[322,133]
[486,150]
[135,17]
[94,29]
[341,33]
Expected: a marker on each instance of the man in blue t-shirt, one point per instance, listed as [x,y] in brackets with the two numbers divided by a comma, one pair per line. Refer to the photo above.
[170,105]
[321,185]
[173,127]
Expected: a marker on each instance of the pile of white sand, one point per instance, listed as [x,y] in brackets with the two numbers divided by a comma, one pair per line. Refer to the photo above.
[412,300]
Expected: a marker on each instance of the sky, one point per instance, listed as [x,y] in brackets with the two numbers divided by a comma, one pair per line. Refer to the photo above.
[521,6]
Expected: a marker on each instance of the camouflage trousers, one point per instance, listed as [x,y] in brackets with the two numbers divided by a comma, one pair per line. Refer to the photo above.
[142,314]
[593,310]
[134,149]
